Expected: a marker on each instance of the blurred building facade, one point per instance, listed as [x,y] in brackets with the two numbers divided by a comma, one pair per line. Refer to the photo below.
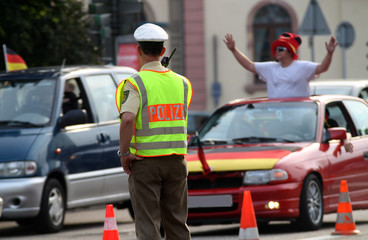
[197,29]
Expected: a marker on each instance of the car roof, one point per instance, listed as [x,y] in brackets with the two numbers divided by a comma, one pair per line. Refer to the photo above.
[317,98]
[241,101]
[56,71]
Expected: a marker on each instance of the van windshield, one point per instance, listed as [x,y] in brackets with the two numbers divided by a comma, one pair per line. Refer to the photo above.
[26,103]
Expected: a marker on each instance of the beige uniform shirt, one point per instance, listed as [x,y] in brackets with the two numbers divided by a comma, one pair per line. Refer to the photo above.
[132,102]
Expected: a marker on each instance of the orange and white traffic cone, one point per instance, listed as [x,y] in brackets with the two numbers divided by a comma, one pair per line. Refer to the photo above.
[110,228]
[345,224]
[248,224]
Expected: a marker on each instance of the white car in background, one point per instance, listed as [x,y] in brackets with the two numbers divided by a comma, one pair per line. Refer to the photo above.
[351,87]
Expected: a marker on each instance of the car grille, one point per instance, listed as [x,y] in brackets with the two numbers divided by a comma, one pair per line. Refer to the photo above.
[197,181]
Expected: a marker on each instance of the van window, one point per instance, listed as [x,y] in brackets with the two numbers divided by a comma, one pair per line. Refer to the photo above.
[75,97]
[102,89]
[123,76]
[71,98]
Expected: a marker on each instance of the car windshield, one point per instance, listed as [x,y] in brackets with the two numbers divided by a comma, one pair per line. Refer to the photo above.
[26,103]
[261,122]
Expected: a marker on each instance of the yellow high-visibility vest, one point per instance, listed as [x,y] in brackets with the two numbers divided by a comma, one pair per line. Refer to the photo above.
[161,122]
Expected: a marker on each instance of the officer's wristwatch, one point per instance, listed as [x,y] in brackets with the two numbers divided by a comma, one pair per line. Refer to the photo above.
[123,154]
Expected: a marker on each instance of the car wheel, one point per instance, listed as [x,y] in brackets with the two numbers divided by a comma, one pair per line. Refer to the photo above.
[51,217]
[311,204]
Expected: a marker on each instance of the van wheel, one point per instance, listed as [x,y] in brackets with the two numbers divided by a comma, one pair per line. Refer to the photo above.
[51,217]
[311,204]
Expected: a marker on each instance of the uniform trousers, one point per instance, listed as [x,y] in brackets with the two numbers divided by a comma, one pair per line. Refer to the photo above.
[159,194]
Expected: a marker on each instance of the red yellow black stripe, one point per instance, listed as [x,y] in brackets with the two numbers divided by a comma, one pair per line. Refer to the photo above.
[14,61]
[237,161]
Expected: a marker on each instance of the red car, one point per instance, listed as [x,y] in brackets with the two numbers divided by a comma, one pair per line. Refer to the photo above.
[289,153]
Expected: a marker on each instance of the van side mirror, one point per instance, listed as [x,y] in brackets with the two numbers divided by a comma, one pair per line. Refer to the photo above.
[73,117]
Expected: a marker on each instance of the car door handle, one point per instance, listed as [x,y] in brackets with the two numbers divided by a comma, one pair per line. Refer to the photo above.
[365,155]
[103,137]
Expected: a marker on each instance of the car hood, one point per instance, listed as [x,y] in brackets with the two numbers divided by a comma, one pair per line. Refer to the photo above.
[15,143]
[235,158]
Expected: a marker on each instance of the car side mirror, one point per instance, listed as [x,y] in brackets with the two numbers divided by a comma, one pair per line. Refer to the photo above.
[73,117]
[336,133]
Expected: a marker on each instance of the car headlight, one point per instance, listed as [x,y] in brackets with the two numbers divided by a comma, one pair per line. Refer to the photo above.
[264,176]
[18,168]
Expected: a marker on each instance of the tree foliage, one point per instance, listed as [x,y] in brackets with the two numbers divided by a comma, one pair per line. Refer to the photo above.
[46,32]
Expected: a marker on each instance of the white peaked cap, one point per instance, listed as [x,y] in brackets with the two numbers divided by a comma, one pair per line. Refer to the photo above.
[149,32]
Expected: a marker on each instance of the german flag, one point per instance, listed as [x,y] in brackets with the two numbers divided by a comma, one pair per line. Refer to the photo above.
[14,62]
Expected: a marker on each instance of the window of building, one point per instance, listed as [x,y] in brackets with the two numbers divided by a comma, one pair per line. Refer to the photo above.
[269,22]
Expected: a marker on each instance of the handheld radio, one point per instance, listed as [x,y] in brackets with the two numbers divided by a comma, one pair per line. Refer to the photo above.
[165,60]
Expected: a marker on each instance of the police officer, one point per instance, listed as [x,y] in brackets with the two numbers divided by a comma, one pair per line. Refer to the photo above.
[153,106]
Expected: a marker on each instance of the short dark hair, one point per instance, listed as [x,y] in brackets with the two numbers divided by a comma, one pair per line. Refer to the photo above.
[151,48]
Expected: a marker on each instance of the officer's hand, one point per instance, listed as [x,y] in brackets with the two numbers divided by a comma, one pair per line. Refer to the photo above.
[126,161]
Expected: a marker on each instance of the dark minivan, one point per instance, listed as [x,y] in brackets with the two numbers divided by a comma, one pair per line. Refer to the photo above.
[59,133]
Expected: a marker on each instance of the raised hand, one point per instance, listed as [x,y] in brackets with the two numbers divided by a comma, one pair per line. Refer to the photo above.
[229,41]
[330,47]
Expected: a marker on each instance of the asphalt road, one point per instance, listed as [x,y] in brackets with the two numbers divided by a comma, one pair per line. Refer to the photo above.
[88,224]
